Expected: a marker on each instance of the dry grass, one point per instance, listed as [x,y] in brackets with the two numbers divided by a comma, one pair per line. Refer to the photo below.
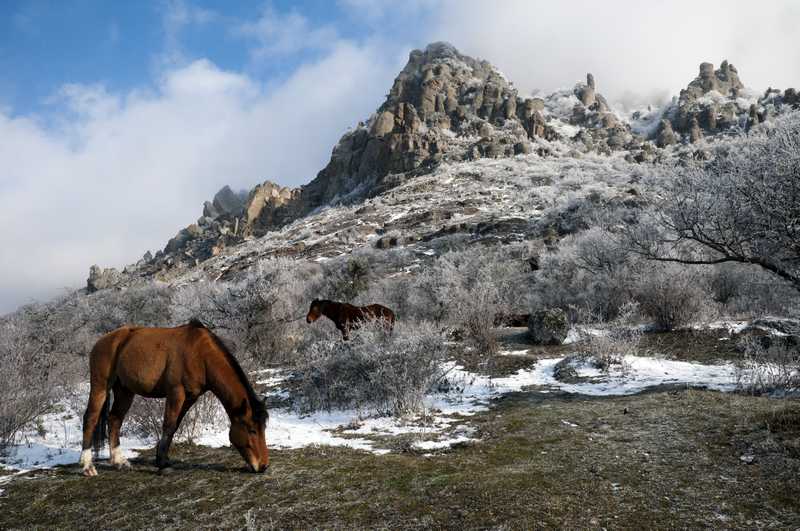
[668,459]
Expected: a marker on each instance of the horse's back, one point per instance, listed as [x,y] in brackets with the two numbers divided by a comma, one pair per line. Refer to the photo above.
[380,312]
[149,361]
[103,356]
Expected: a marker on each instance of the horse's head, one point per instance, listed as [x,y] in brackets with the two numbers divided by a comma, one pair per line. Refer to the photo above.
[248,424]
[314,311]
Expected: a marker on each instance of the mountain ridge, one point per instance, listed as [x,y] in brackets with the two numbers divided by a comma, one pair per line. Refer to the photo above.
[447,108]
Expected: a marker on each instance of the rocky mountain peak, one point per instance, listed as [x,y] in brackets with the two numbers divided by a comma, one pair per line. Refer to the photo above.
[717,101]
[446,107]
[724,80]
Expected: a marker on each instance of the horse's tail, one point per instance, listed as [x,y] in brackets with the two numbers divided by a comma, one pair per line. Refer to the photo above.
[100,435]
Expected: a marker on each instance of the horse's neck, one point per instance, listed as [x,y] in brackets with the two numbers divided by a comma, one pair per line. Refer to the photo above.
[331,310]
[224,382]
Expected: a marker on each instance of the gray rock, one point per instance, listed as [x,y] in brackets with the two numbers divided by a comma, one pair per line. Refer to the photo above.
[228,203]
[522,148]
[548,327]
[102,278]
[666,136]
[695,133]
[209,211]
[791,97]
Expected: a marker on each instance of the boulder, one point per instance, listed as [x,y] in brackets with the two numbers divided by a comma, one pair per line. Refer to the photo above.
[228,203]
[791,97]
[548,327]
[383,124]
[268,206]
[666,136]
[695,134]
[101,278]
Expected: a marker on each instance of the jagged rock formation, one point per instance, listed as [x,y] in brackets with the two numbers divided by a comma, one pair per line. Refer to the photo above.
[102,278]
[445,107]
[717,101]
[226,203]
[601,129]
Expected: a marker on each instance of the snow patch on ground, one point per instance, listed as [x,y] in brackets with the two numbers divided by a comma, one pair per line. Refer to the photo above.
[522,352]
[59,440]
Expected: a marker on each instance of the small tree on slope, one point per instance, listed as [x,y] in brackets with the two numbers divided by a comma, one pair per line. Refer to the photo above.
[742,207]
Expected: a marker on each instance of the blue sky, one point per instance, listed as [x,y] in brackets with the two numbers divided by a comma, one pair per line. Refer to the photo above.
[119,118]
[123,45]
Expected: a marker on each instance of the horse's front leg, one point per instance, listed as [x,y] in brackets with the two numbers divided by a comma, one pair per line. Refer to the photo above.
[176,408]
[172,411]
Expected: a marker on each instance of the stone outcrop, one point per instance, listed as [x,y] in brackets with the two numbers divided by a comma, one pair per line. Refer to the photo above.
[600,128]
[268,205]
[716,101]
[226,203]
[666,136]
[102,278]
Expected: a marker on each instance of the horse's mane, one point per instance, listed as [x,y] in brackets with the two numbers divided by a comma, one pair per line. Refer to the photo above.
[260,413]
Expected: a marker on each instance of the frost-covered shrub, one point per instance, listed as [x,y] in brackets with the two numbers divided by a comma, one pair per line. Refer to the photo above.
[344,280]
[145,305]
[373,371]
[613,341]
[392,292]
[727,281]
[467,289]
[146,417]
[588,272]
[741,206]
[30,379]
[773,369]
[263,314]
[673,295]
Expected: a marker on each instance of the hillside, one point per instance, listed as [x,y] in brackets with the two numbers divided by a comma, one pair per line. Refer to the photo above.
[595,326]
[446,117]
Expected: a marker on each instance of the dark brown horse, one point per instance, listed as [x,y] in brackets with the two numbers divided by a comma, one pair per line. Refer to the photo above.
[347,317]
[178,364]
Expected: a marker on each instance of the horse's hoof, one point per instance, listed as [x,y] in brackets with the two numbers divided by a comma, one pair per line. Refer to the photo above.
[90,471]
[123,465]
[166,471]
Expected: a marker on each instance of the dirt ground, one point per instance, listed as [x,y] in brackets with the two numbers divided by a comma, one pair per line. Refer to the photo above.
[670,458]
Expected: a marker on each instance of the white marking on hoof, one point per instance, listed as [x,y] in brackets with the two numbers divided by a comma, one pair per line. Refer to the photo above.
[86,463]
[118,459]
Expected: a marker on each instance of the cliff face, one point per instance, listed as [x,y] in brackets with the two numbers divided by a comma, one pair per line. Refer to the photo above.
[447,108]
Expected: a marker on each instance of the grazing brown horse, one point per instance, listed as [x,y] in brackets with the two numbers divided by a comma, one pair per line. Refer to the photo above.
[178,364]
[348,317]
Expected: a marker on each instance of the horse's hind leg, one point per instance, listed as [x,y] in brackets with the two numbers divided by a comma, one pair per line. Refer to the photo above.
[97,398]
[122,403]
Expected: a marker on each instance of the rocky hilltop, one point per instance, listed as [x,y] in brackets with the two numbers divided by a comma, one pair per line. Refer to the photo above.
[445,108]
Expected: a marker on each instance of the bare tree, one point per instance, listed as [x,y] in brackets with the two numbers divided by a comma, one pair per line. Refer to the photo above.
[744,206]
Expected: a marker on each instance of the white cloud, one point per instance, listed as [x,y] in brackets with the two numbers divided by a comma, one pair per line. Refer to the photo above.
[177,15]
[116,174]
[285,34]
[629,45]
[131,169]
